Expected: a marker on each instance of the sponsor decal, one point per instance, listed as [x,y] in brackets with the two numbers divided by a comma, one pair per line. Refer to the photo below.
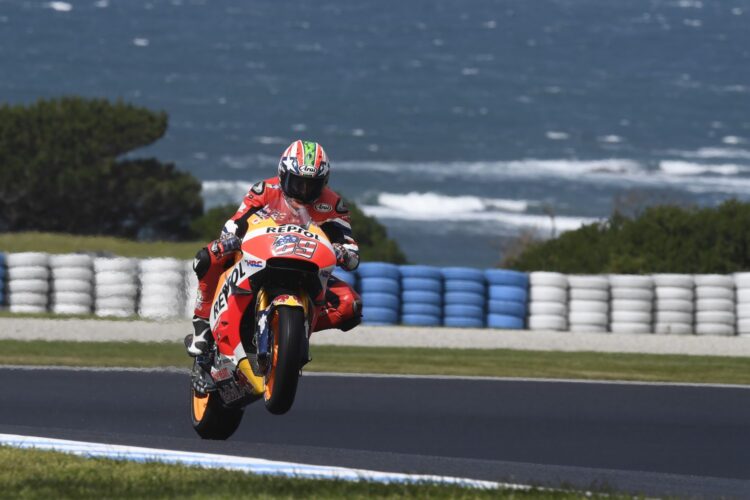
[323,207]
[220,304]
[307,169]
[291,228]
[254,263]
[223,373]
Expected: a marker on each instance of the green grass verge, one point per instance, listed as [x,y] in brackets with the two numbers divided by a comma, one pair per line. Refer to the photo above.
[465,362]
[68,243]
[31,474]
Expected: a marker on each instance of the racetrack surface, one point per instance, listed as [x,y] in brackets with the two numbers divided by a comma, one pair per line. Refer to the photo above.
[640,438]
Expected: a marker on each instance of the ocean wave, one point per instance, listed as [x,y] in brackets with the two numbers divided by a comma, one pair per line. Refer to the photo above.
[541,222]
[712,153]
[685,168]
[416,206]
[430,203]
[526,168]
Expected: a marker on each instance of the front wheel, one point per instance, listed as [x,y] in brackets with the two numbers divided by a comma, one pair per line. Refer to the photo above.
[211,419]
[288,338]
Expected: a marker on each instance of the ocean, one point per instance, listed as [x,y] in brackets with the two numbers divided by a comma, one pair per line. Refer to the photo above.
[459,125]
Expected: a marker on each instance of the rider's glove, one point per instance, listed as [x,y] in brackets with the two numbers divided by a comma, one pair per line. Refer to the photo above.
[228,243]
[345,258]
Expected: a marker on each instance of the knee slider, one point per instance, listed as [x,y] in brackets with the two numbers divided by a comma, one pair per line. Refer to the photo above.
[202,262]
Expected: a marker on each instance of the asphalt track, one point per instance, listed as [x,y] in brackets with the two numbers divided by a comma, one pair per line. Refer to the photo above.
[651,439]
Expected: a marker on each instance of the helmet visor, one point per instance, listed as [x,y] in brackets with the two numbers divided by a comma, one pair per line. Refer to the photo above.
[304,189]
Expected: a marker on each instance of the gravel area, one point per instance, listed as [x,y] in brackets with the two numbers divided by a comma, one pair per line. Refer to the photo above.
[153,331]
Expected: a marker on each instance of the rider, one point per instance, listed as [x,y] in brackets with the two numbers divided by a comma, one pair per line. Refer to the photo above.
[303,176]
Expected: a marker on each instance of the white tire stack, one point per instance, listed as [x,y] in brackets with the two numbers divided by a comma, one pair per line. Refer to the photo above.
[714,304]
[742,305]
[632,303]
[72,283]
[588,307]
[675,304]
[191,289]
[548,301]
[115,287]
[28,282]
[162,288]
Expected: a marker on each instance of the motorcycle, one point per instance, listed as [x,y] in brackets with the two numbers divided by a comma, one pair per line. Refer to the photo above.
[264,309]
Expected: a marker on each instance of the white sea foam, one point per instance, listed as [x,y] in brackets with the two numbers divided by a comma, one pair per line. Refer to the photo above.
[434,207]
[60,6]
[429,203]
[555,135]
[218,192]
[712,153]
[687,168]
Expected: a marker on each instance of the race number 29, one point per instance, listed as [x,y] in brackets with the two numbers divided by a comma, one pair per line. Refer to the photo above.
[306,248]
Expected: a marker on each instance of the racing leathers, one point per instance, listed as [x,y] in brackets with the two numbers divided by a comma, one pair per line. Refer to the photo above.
[342,308]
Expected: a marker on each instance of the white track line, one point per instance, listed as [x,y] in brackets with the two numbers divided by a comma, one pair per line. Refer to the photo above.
[173,369]
[245,464]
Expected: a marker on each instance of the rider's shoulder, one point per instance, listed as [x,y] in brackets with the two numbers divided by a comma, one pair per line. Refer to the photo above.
[330,201]
[260,187]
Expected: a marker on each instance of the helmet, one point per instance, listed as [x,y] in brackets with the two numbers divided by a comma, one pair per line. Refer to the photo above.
[304,171]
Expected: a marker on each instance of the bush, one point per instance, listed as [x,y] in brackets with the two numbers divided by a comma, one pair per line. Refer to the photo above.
[59,172]
[372,237]
[661,239]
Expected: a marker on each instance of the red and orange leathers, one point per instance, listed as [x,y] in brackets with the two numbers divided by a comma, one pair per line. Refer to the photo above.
[342,306]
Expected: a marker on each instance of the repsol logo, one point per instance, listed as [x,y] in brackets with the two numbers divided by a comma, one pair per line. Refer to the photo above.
[238,274]
[291,228]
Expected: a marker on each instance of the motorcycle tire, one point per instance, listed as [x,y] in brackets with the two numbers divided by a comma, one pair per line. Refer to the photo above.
[210,418]
[281,383]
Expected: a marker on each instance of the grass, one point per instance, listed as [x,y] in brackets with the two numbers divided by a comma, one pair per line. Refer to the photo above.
[417,361]
[32,474]
[68,243]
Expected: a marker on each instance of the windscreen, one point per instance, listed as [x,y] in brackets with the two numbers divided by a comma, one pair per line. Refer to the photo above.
[287,211]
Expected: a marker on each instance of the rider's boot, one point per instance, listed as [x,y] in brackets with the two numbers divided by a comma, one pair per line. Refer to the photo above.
[199,342]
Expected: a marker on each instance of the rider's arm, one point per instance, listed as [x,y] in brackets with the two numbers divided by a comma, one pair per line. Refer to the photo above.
[254,200]
[339,231]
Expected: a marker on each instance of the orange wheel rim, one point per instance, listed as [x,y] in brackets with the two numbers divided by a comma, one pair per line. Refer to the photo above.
[271,377]
[200,403]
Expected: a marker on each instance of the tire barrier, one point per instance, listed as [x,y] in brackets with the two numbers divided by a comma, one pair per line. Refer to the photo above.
[380,288]
[162,288]
[28,283]
[421,296]
[742,304]
[589,314]
[349,277]
[115,287]
[72,283]
[3,277]
[714,300]
[508,296]
[678,304]
[465,297]
[674,304]
[548,296]
[632,303]
[191,289]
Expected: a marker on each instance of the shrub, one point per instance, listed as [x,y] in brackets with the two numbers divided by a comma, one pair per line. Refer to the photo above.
[663,238]
[59,171]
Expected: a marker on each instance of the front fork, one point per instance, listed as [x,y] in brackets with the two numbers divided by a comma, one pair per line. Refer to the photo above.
[264,314]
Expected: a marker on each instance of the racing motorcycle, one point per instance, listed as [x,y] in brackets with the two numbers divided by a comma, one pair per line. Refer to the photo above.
[262,314]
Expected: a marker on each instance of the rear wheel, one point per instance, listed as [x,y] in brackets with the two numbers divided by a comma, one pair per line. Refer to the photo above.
[211,419]
[288,339]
